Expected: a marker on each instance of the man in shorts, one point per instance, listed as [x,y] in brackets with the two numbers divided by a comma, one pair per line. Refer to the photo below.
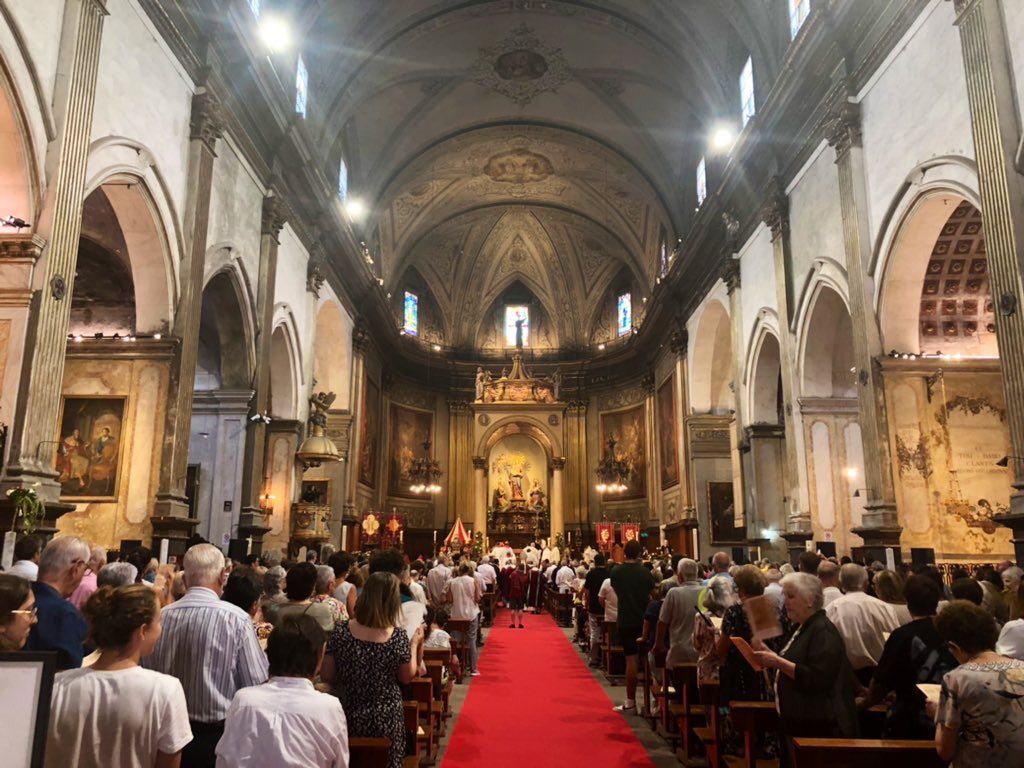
[633,585]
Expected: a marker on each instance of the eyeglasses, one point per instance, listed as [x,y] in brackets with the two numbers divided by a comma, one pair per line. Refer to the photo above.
[33,611]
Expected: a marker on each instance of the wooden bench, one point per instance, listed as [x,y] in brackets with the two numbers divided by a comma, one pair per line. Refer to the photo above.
[488,607]
[368,752]
[459,631]
[685,712]
[710,735]
[561,608]
[614,658]
[442,687]
[864,753]
[421,691]
[752,719]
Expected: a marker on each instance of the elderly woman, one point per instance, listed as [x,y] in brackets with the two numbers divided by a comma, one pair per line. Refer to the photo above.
[814,682]
[17,611]
[889,587]
[322,593]
[980,721]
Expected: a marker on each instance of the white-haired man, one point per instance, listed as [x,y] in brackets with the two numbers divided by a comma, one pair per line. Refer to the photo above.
[210,645]
[97,559]
[490,576]
[675,622]
[60,627]
[437,579]
[862,621]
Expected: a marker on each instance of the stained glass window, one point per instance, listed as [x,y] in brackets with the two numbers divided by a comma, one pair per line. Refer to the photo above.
[342,180]
[254,5]
[411,314]
[798,11]
[663,256]
[747,91]
[301,86]
[702,181]
[513,313]
[624,308]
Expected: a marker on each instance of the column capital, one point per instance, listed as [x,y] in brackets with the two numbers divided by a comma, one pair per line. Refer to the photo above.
[315,276]
[207,120]
[360,337]
[730,274]
[480,462]
[647,384]
[22,246]
[679,341]
[775,210]
[558,463]
[961,7]
[842,126]
[275,214]
[458,406]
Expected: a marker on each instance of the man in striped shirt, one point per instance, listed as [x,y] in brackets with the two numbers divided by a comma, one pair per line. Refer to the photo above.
[211,647]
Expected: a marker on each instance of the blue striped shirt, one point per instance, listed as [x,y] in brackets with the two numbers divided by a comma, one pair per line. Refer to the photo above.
[211,647]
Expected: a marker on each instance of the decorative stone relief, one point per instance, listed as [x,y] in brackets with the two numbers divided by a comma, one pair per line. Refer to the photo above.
[518,166]
[521,67]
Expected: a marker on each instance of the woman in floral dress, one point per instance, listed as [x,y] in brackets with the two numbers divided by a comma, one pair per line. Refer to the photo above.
[368,658]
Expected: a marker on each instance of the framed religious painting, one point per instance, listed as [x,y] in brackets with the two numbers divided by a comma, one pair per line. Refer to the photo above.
[369,434]
[627,427]
[89,448]
[722,512]
[667,434]
[409,428]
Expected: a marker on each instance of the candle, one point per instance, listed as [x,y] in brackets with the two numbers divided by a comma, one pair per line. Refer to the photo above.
[164,545]
[344,537]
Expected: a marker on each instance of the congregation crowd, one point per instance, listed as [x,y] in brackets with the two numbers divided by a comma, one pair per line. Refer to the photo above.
[268,662]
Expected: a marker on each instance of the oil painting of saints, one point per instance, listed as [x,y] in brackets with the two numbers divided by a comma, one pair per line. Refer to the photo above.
[89,447]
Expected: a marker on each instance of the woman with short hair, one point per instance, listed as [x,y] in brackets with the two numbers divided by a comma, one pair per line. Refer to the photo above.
[325,585]
[889,587]
[17,611]
[300,584]
[368,658]
[115,713]
[980,721]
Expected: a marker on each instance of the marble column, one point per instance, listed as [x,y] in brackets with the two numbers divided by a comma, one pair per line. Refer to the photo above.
[480,495]
[730,275]
[775,213]
[577,478]
[995,124]
[557,497]
[252,520]
[171,518]
[880,527]
[33,437]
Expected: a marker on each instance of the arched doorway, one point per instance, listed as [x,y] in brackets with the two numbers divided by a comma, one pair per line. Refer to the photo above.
[283,434]
[766,439]
[220,405]
[943,380]
[829,410]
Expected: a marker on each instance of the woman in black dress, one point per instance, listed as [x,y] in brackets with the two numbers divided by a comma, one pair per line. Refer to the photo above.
[367,660]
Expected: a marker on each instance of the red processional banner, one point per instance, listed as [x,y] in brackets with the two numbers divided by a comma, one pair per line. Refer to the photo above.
[630,532]
[605,535]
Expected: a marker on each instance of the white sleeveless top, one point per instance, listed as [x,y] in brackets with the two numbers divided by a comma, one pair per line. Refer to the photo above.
[463,592]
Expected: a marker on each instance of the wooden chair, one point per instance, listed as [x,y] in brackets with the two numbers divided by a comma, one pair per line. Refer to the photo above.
[368,752]
[686,712]
[752,718]
[710,735]
[421,690]
[442,688]
[411,714]
[614,658]
[643,647]
[864,753]
[459,631]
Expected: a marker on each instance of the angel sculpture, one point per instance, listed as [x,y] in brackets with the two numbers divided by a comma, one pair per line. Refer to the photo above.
[319,404]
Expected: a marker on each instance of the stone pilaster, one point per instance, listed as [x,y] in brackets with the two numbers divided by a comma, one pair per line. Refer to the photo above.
[480,495]
[880,526]
[730,275]
[360,341]
[994,122]
[775,213]
[460,455]
[557,496]
[254,478]
[33,438]
[171,518]
[578,474]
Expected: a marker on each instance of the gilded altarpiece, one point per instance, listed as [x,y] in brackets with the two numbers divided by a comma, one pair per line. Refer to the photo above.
[949,433]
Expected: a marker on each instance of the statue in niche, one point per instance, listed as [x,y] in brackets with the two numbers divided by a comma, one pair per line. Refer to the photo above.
[536,497]
[499,501]
[481,383]
[556,383]
[519,333]
[516,483]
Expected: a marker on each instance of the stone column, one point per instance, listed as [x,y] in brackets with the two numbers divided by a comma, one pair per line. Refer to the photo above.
[251,521]
[994,122]
[33,438]
[880,528]
[577,479]
[480,495]
[775,213]
[171,515]
[557,501]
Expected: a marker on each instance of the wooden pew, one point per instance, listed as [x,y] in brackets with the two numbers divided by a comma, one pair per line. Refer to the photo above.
[643,647]
[442,688]
[368,752]
[752,719]
[614,658]
[686,711]
[561,603]
[411,714]
[710,735]
[421,690]
[459,631]
[864,753]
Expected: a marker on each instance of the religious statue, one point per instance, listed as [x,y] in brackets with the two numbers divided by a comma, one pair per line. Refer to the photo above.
[536,497]
[481,383]
[556,383]
[588,555]
[516,483]
[519,333]
[319,404]
[499,501]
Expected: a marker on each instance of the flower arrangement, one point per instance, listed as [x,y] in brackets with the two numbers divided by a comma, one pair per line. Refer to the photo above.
[29,509]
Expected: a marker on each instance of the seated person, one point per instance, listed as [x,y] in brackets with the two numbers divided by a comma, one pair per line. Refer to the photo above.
[271,725]
[435,636]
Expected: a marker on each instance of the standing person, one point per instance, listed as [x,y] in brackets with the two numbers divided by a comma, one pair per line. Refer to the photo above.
[27,551]
[490,576]
[828,573]
[519,582]
[210,645]
[286,722]
[344,590]
[97,559]
[60,627]
[675,622]
[595,610]
[862,621]
[368,658]
[300,585]
[980,721]
[464,595]
[17,612]
[115,714]
[437,579]
[633,585]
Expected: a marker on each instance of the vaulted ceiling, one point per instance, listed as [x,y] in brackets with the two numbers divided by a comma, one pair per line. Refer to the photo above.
[549,144]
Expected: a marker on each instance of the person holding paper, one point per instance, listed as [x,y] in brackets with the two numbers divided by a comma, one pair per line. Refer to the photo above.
[979,720]
[814,682]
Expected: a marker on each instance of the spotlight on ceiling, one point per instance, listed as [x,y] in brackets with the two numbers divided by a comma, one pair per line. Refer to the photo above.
[275,33]
[355,209]
[722,138]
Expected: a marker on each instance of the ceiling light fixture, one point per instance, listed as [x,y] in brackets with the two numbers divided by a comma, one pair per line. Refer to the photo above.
[722,138]
[275,33]
[355,209]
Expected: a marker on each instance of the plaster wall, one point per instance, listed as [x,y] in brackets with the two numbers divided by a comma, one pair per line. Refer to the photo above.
[757,279]
[816,224]
[39,27]
[236,209]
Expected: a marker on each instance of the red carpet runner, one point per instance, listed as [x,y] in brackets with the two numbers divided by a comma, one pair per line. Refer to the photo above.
[535,703]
